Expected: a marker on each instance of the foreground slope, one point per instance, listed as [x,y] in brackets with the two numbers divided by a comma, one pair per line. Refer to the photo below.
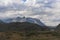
[26,31]
[29,36]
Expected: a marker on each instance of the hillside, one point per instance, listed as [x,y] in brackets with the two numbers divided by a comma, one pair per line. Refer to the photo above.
[57,28]
[20,26]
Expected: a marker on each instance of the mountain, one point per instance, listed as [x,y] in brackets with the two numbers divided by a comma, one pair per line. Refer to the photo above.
[58,28]
[34,20]
[58,25]
[1,22]
[20,26]
[24,19]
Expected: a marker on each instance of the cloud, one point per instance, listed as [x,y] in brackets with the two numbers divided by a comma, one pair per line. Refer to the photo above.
[47,11]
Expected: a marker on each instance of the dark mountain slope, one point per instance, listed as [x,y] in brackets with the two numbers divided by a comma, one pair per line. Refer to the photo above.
[58,28]
[20,26]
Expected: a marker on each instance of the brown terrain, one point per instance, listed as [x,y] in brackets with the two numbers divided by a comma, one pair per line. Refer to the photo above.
[26,31]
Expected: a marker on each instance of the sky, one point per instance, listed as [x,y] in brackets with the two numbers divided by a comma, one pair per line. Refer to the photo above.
[48,11]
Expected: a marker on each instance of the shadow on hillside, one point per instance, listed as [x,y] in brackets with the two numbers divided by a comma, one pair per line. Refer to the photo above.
[17,26]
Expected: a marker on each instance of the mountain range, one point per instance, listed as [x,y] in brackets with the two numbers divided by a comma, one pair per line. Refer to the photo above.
[25,23]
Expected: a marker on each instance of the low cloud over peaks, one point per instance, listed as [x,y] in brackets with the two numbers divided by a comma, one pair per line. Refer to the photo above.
[45,10]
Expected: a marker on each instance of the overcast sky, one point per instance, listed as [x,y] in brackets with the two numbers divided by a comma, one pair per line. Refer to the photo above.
[48,11]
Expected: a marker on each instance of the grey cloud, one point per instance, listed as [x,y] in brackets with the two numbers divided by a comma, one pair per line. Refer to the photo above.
[41,11]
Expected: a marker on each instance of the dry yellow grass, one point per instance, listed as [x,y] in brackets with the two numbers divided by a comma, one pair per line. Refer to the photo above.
[31,36]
